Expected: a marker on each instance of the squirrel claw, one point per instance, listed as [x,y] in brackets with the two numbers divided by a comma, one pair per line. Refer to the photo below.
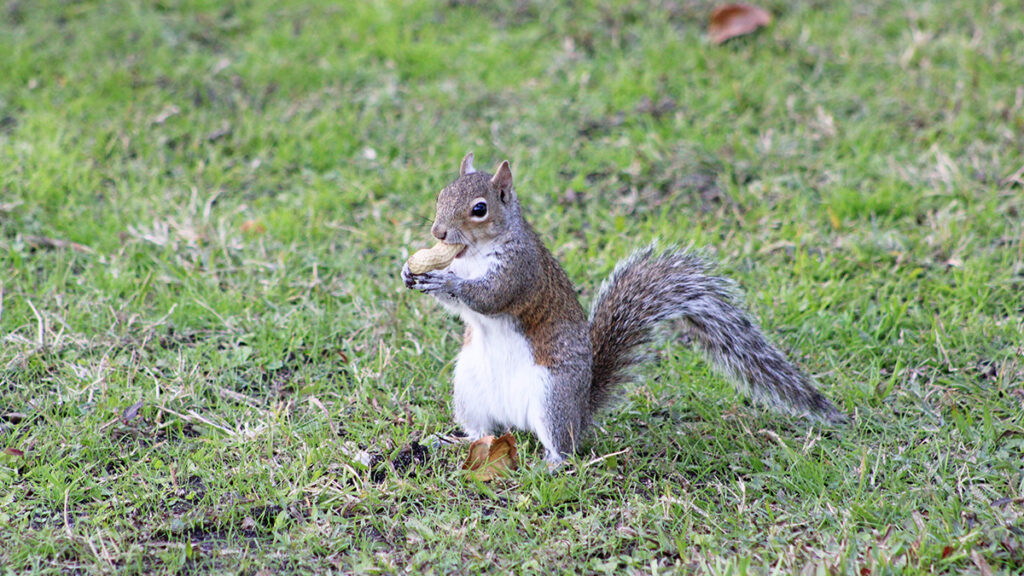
[408,277]
[429,283]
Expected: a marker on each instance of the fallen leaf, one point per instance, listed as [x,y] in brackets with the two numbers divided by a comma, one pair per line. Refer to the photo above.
[732,20]
[132,411]
[13,452]
[361,456]
[219,133]
[253,227]
[55,243]
[478,451]
[13,417]
[168,111]
[326,354]
[979,561]
[491,457]
[220,65]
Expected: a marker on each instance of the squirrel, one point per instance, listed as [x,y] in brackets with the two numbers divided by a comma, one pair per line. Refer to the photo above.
[532,360]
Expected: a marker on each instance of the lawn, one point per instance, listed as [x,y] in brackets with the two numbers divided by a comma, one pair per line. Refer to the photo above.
[208,361]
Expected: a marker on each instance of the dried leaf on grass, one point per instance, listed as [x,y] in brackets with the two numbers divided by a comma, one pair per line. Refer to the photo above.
[13,417]
[491,457]
[132,411]
[43,242]
[732,20]
[981,563]
[1015,178]
[253,227]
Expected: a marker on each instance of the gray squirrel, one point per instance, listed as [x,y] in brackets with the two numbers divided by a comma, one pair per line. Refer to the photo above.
[531,360]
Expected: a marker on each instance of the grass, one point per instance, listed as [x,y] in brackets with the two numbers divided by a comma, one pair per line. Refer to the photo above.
[204,208]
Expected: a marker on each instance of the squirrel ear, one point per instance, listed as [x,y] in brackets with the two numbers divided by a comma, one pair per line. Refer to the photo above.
[467,165]
[502,182]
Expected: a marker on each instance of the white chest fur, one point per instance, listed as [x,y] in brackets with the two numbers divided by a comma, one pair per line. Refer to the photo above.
[497,383]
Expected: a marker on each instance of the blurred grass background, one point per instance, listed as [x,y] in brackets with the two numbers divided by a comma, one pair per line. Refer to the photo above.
[204,207]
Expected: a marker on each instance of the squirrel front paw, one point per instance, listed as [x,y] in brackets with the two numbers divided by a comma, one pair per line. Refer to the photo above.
[433,283]
[429,283]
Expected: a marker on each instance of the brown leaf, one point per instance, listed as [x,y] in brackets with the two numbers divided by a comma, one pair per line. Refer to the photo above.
[478,452]
[254,227]
[491,457]
[946,551]
[13,452]
[504,448]
[732,20]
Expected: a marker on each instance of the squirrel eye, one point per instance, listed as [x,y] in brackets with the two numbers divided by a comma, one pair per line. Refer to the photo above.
[479,210]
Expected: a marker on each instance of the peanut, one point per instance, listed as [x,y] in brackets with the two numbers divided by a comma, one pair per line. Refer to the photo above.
[440,256]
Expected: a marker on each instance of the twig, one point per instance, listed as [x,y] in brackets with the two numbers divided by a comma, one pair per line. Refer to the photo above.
[224,429]
[13,417]
[92,547]
[106,553]
[606,456]
[1015,178]
[67,526]
[237,397]
[314,401]
[110,422]
[193,415]
[163,318]
[771,434]
[214,312]
[938,343]
[41,340]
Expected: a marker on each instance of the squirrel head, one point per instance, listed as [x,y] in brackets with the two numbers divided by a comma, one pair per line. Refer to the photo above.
[477,206]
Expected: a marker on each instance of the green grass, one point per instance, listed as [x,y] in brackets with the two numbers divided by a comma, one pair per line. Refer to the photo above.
[242,182]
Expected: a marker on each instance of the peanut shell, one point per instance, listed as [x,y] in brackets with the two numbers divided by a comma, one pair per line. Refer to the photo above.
[440,256]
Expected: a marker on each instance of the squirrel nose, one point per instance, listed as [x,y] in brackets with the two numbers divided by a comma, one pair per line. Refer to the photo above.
[439,231]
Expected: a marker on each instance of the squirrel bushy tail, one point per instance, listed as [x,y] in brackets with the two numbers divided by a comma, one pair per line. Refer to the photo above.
[651,286]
